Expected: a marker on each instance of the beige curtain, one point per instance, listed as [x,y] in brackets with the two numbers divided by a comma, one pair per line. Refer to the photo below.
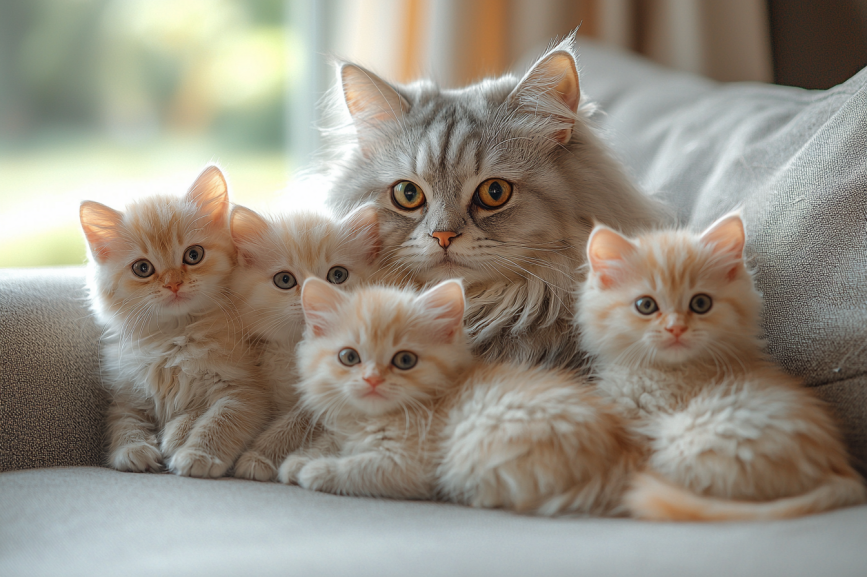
[458,41]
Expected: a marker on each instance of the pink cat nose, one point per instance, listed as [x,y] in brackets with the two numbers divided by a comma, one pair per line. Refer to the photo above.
[676,330]
[374,380]
[174,286]
[444,237]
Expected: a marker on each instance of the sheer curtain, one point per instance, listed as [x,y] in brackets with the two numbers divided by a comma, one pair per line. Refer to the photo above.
[458,41]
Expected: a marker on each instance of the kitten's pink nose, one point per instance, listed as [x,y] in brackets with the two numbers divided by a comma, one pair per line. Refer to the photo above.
[444,237]
[374,380]
[174,285]
[676,330]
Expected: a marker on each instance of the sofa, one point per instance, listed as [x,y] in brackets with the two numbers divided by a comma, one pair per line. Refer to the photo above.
[794,161]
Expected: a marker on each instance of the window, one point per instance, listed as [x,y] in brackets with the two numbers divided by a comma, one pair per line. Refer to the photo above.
[111,99]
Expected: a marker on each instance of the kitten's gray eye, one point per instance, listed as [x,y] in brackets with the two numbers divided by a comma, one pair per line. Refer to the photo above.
[337,275]
[285,280]
[407,195]
[194,254]
[700,304]
[646,306]
[143,268]
[349,357]
[404,360]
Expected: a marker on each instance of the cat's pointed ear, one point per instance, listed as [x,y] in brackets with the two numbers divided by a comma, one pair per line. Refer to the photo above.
[363,224]
[210,192]
[101,226]
[606,252]
[247,229]
[727,237]
[446,303]
[372,102]
[320,301]
[550,90]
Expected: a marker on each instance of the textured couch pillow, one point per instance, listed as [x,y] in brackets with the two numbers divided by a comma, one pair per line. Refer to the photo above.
[795,161]
[51,402]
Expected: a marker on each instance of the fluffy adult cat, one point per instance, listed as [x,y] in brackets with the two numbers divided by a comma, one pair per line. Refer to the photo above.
[182,390]
[411,414]
[673,321]
[275,257]
[497,183]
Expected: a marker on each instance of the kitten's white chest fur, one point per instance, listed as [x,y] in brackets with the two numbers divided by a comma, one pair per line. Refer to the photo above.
[171,372]
[640,393]
[280,369]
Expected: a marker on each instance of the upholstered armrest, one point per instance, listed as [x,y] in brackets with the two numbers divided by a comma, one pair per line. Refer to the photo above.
[51,400]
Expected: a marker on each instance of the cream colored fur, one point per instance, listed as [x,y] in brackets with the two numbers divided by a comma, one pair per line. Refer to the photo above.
[304,245]
[731,436]
[487,435]
[184,393]
[536,441]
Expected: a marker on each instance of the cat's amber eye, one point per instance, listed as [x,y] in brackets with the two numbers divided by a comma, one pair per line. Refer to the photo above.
[407,195]
[404,360]
[493,193]
[337,275]
[700,304]
[349,357]
[194,254]
[143,268]
[285,280]
[646,306]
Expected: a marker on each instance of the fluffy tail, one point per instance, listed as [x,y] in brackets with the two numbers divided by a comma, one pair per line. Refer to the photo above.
[656,499]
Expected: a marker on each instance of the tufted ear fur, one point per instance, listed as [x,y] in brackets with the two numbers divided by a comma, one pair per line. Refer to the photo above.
[727,237]
[248,229]
[445,303]
[372,102]
[363,222]
[550,89]
[101,226]
[606,251]
[210,192]
[320,301]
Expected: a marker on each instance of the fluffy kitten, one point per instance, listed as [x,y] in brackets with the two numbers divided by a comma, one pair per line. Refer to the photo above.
[275,257]
[411,414]
[182,391]
[673,321]
[497,183]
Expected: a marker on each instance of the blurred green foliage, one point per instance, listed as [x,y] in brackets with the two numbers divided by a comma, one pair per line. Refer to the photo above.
[137,68]
[98,94]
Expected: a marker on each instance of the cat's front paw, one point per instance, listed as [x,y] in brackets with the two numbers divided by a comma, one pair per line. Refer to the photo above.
[251,465]
[137,457]
[319,475]
[193,463]
[290,468]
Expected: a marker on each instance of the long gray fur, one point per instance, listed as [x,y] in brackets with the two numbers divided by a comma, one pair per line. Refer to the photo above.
[520,263]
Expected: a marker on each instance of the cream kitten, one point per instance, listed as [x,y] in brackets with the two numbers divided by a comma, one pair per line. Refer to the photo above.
[411,414]
[275,257]
[673,320]
[182,391]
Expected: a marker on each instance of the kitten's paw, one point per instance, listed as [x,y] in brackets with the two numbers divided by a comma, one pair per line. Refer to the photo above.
[192,463]
[252,465]
[138,458]
[175,434]
[319,475]
[290,468]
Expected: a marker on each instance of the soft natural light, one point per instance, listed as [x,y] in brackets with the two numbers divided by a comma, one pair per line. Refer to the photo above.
[109,100]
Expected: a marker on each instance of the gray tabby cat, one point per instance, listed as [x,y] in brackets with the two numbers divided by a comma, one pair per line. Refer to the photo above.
[499,183]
